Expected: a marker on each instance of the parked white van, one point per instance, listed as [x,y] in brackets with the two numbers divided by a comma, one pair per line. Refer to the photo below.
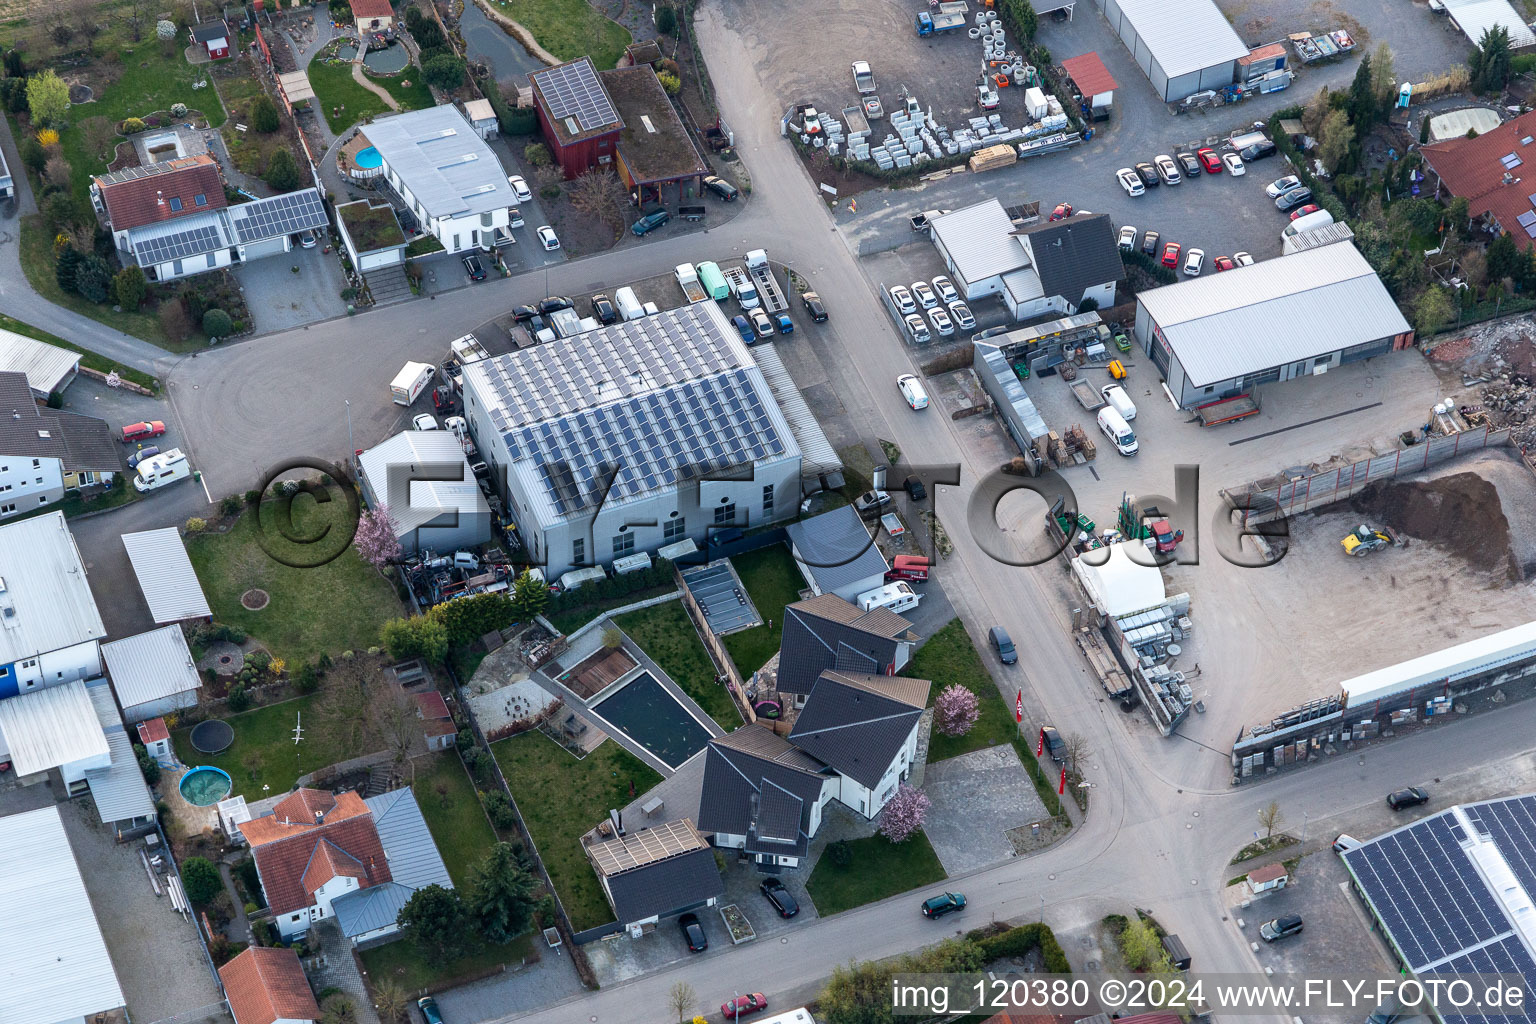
[896,597]
[1118,431]
[1311,222]
[1118,400]
[628,304]
[159,470]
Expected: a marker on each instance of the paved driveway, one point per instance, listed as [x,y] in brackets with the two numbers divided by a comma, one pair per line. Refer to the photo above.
[280,299]
[976,798]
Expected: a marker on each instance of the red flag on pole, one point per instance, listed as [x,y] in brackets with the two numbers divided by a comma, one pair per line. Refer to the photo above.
[1018,708]
[1040,742]
[1062,787]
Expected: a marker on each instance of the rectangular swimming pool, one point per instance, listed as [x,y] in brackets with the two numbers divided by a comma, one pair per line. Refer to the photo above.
[653,718]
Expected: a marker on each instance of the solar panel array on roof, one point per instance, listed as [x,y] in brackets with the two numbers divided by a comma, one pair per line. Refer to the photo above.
[176,246]
[573,90]
[1510,161]
[1512,825]
[1528,222]
[280,215]
[1508,956]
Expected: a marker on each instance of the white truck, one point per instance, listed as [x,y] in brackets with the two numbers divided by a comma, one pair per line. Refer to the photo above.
[469,349]
[688,281]
[628,303]
[768,289]
[863,77]
[741,287]
[409,382]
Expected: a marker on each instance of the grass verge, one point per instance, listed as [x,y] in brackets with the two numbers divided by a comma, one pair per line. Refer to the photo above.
[877,869]
[665,632]
[570,29]
[336,607]
[569,620]
[561,798]
[402,964]
[452,808]
[950,658]
[416,96]
[773,580]
[87,358]
[37,263]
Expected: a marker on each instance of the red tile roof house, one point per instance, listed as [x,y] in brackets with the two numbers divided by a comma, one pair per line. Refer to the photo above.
[1495,172]
[171,218]
[266,985]
[373,16]
[436,722]
[321,855]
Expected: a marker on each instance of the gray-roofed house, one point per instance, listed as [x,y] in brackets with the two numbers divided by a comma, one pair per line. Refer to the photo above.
[657,872]
[153,673]
[45,452]
[442,509]
[372,913]
[979,248]
[1076,259]
[446,174]
[1221,335]
[48,367]
[118,789]
[763,795]
[53,629]
[165,575]
[863,727]
[637,435]
[836,554]
[827,632]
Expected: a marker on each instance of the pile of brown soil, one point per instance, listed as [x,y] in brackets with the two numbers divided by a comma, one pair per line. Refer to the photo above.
[1461,513]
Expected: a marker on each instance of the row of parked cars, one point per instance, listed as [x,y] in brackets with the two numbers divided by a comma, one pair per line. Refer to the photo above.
[941,301]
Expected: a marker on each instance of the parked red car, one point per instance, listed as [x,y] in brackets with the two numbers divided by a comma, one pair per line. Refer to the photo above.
[142,431]
[1171,254]
[1062,211]
[1225,263]
[1209,160]
[742,1005]
[1309,208]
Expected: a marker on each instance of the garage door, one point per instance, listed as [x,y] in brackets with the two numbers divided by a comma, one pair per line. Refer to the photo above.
[375,260]
[265,247]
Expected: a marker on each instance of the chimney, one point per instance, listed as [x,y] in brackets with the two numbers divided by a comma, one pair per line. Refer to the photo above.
[319,817]
[159,198]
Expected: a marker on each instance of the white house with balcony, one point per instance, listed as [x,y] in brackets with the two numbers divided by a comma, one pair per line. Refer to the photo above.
[443,170]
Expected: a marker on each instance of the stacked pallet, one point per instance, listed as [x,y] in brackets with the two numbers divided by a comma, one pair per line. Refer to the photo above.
[991,158]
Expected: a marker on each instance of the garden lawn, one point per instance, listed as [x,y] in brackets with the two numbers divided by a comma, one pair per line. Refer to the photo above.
[335,607]
[37,263]
[87,358]
[773,580]
[666,634]
[879,868]
[950,657]
[570,29]
[459,827]
[416,96]
[569,620]
[268,732]
[402,963]
[561,799]
[334,87]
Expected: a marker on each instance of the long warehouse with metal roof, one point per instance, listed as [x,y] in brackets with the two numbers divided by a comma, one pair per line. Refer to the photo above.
[1296,316]
[1182,47]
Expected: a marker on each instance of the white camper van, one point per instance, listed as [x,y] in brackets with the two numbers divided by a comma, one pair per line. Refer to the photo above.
[1118,431]
[159,470]
[896,597]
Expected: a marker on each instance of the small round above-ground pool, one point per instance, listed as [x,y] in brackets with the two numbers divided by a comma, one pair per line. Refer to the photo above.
[205,786]
[212,736]
[368,159]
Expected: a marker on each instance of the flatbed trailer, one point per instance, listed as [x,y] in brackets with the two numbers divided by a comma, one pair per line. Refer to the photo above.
[1228,410]
[1087,395]
[768,289]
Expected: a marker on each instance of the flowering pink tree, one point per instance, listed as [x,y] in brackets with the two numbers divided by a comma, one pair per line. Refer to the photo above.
[375,537]
[903,817]
[955,710]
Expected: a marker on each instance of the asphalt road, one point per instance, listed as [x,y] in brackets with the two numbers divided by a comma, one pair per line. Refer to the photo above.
[1164,821]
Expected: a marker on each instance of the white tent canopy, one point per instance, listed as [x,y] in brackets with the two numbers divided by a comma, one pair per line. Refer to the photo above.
[1119,585]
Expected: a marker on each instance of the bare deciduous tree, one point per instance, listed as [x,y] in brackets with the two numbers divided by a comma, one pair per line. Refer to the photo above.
[1271,819]
[342,710]
[98,135]
[1078,751]
[681,998]
[86,18]
[56,172]
[394,720]
[599,194]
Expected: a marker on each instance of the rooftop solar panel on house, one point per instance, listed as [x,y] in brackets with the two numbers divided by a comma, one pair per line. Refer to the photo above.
[279,215]
[573,90]
[176,246]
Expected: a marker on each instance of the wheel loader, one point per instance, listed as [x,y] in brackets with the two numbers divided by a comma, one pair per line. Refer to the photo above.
[1365,540]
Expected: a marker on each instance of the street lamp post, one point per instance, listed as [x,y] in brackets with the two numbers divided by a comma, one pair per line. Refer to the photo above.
[351,448]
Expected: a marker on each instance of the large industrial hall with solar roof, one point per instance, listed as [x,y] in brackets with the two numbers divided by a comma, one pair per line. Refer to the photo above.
[172,219]
[638,435]
[1453,894]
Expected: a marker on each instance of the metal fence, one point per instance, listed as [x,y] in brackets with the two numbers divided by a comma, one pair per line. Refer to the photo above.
[1261,504]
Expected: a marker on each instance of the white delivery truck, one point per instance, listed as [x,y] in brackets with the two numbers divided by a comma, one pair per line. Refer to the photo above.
[410,380]
[1118,400]
[1118,431]
[628,303]
[161,470]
